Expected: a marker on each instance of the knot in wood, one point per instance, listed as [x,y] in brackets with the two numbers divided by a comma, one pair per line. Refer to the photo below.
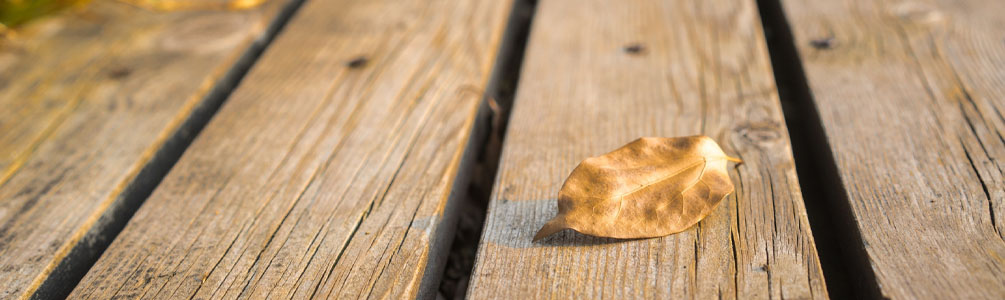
[760,133]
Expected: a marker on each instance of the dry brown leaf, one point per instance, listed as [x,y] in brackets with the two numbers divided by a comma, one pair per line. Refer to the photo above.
[649,188]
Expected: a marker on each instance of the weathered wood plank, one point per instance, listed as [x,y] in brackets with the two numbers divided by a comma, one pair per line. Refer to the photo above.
[329,172]
[910,96]
[599,74]
[87,99]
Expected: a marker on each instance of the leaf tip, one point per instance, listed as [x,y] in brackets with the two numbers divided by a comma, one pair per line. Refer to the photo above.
[554,225]
[734,159]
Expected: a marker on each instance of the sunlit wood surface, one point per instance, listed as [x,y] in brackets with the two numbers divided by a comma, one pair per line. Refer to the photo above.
[228,149]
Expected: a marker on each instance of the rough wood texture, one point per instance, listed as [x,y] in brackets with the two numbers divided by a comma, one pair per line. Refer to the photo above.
[910,98]
[329,172]
[86,100]
[599,74]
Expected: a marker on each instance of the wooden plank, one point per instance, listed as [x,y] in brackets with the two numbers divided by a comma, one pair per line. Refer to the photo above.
[599,74]
[329,172]
[910,98]
[88,99]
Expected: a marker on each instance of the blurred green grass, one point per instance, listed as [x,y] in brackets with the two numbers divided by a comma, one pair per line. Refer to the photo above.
[17,12]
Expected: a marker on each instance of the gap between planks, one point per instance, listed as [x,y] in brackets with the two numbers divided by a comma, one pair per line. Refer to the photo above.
[472,208]
[815,166]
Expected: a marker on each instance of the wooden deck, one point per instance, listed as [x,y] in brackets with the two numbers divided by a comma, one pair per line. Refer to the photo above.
[356,149]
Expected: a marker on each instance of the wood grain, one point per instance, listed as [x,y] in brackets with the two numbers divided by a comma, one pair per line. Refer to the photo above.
[331,170]
[910,96]
[88,98]
[599,74]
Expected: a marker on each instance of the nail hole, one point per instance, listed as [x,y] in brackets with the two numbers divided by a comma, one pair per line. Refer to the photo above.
[823,43]
[634,48]
[356,63]
[119,73]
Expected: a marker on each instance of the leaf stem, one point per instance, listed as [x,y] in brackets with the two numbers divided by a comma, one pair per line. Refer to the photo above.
[734,159]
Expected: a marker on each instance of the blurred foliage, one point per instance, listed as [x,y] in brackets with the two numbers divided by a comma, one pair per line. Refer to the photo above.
[17,12]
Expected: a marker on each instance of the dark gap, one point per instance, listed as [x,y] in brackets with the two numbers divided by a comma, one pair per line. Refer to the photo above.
[82,257]
[474,204]
[846,267]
